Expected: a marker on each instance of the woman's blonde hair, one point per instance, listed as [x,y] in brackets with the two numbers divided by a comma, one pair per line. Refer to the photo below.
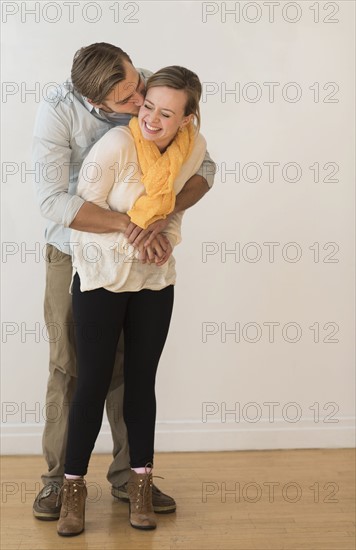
[180,78]
[97,69]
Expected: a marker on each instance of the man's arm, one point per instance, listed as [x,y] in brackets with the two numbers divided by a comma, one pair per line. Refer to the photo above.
[193,190]
[196,187]
[94,219]
[51,151]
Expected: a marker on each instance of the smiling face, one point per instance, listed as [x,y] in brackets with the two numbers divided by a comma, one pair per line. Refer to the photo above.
[162,114]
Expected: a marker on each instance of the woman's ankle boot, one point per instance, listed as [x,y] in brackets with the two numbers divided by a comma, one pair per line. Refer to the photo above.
[139,490]
[72,517]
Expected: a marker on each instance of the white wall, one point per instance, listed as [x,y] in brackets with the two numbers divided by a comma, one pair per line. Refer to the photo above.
[202,370]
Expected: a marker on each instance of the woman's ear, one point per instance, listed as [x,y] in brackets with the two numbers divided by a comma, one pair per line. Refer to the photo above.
[186,120]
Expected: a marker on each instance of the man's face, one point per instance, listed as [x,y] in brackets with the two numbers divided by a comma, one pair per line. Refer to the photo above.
[127,96]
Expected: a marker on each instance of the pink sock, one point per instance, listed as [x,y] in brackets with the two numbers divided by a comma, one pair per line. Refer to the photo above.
[69,476]
[142,470]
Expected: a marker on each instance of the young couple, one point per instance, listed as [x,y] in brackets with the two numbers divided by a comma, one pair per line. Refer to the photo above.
[130,160]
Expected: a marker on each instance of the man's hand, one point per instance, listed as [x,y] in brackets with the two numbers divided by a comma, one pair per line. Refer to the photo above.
[158,252]
[156,229]
[194,189]
[136,235]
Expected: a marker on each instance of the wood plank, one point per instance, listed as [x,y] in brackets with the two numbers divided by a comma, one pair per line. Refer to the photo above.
[208,515]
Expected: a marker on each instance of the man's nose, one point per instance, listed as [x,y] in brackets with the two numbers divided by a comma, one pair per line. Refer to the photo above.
[138,99]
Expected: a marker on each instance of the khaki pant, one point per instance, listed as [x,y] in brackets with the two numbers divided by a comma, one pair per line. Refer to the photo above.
[62,377]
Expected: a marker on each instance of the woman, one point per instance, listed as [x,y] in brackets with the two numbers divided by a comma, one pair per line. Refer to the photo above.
[138,170]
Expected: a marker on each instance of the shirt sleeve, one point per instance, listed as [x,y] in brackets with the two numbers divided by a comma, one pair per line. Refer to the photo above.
[51,155]
[207,169]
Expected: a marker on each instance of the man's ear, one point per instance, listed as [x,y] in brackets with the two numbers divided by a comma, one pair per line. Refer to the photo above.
[98,105]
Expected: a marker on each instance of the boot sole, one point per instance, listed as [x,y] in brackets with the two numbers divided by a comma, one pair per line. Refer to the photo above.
[43,516]
[147,528]
[69,534]
[141,527]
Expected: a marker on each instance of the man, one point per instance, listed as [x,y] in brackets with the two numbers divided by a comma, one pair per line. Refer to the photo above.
[105,90]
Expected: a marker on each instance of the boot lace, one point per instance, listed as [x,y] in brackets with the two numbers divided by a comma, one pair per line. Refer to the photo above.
[144,490]
[51,487]
[69,494]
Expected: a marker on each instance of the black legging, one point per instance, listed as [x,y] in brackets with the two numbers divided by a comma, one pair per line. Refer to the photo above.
[99,316]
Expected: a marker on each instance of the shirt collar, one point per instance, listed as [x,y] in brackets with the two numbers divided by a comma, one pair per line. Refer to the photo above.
[89,106]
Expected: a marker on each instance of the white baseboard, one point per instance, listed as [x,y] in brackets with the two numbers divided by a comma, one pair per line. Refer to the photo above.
[20,439]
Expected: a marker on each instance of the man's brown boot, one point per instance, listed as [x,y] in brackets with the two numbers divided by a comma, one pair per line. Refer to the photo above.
[71,520]
[46,505]
[162,503]
[139,490]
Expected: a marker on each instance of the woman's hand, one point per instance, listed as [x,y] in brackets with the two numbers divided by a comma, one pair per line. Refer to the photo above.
[158,252]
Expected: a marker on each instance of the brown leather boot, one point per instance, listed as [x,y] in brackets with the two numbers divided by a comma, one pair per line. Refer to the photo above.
[71,519]
[139,490]
[46,505]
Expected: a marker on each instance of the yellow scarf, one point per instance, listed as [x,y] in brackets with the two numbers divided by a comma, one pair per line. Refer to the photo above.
[158,173]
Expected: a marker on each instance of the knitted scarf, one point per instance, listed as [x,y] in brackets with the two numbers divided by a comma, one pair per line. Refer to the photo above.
[159,170]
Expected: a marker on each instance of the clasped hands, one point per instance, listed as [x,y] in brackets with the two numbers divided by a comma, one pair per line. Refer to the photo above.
[153,246]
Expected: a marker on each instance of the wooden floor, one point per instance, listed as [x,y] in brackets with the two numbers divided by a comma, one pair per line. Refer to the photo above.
[225,501]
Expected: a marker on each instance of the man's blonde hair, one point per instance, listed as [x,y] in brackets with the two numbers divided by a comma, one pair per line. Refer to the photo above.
[97,69]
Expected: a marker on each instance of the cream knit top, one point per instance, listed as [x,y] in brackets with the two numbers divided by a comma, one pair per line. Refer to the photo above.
[110,177]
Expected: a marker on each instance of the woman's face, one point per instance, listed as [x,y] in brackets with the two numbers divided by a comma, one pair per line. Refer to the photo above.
[162,114]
